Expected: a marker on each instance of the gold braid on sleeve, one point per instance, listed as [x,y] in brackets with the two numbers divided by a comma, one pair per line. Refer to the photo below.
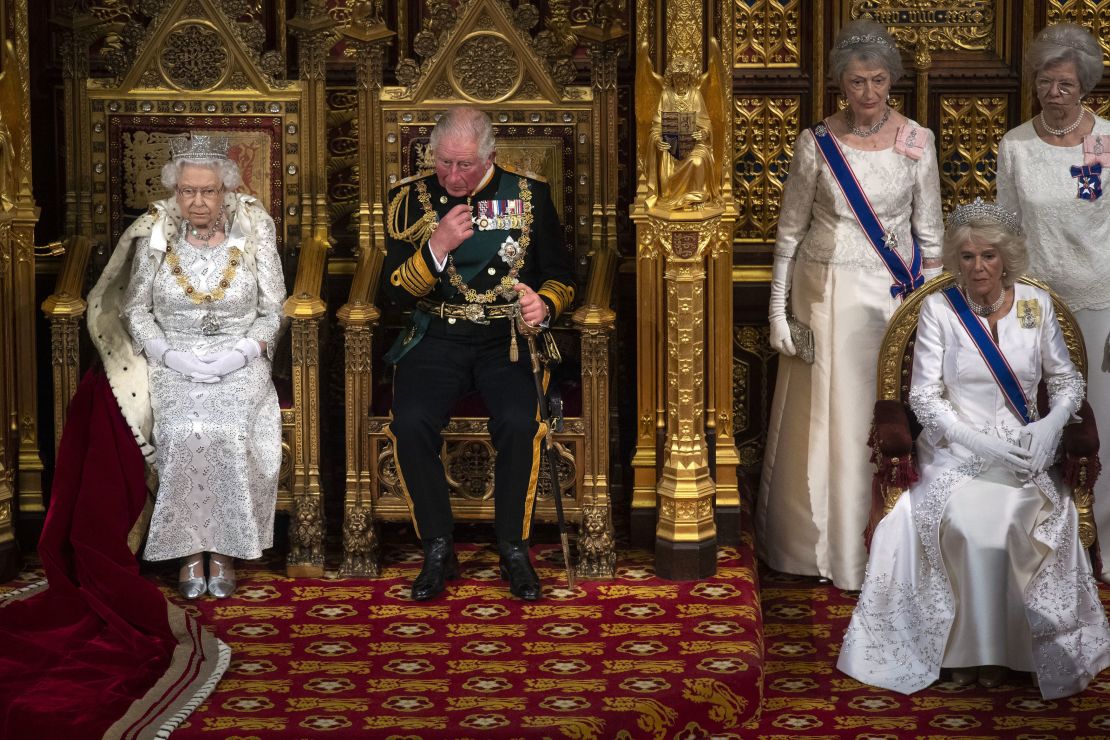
[397,224]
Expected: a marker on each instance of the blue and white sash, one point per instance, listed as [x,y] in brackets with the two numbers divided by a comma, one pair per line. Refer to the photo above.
[907,278]
[990,352]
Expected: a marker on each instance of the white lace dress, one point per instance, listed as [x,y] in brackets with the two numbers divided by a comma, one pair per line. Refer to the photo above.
[1069,248]
[218,445]
[973,566]
[814,492]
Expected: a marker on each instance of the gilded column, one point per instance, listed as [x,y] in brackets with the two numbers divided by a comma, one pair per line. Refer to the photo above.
[359,316]
[24,215]
[605,38]
[686,536]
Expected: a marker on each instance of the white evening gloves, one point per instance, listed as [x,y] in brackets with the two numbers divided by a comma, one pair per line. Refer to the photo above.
[781,274]
[230,360]
[991,448]
[207,368]
[1042,437]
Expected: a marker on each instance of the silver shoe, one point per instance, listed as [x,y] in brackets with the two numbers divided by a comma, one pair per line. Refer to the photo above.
[221,578]
[190,579]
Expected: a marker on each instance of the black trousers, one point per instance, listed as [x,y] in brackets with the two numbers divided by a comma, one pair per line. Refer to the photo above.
[449,362]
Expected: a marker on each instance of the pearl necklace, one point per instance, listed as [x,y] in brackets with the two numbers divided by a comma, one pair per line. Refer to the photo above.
[1067,129]
[206,237]
[850,119]
[986,310]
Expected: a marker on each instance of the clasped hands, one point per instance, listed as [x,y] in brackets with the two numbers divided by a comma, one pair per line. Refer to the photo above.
[210,367]
[1035,453]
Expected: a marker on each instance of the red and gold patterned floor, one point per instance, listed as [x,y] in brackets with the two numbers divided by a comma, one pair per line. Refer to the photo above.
[637,657]
[633,657]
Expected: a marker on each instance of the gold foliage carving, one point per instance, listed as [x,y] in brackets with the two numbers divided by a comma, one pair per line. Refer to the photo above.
[194,57]
[766,33]
[764,131]
[478,55]
[962,24]
[1091,14]
[970,129]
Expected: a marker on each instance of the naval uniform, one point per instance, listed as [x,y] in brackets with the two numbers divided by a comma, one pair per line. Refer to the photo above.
[459,337]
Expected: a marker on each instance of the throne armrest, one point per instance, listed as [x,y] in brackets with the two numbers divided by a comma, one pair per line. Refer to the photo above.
[1081,469]
[892,452]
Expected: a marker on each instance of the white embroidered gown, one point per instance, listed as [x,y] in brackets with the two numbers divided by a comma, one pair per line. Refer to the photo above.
[219,444]
[974,566]
[1069,248]
[815,489]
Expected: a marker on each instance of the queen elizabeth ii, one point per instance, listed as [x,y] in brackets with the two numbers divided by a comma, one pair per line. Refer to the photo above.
[185,317]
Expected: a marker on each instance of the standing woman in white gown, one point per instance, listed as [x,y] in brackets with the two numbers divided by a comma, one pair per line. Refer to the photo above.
[1052,170]
[978,567]
[185,316]
[860,219]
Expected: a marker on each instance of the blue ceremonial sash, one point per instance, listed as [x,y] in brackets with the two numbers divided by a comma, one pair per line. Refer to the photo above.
[906,278]
[990,352]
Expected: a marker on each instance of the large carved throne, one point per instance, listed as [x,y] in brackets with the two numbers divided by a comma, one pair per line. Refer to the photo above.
[896,427]
[198,70]
[546,128]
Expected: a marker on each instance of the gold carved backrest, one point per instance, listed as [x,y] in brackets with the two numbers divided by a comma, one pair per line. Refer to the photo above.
[539,141]
[137,145]
[895,366]
[192,71]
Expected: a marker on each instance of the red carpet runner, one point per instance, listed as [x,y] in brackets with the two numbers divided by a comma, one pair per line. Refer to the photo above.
[356,658]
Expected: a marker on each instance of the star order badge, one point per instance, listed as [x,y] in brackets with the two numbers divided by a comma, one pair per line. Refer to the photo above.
[510,250]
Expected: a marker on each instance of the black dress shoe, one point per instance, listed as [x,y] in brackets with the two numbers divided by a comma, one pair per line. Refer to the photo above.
[440,565]
[516,568]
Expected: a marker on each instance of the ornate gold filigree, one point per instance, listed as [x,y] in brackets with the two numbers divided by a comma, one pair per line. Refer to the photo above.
[1091,14]
[764,132]
[476,57]
[961,24]
[766,33]
[194,57]
[970,129]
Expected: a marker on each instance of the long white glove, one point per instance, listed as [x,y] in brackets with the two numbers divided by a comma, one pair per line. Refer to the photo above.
[228,361]
[190,366]
[158,352]
[931,272]
[781,274]
[1042,437]
[990,448]
[155,351]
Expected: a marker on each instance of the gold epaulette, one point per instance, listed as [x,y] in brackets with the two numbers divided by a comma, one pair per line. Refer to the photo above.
[397,221]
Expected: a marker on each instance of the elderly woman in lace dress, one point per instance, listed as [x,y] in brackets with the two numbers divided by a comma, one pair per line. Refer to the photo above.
[1052,170]
[185,317]
[978,568]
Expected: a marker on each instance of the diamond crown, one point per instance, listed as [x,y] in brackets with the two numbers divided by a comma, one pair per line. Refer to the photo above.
[867,38]
[198,146]
[980,209]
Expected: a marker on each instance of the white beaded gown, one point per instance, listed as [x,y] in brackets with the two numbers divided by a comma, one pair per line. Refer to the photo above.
[815,488]
[218,444]
[973,566]
[1069,248]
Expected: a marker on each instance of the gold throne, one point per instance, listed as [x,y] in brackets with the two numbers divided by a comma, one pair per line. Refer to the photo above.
[546,129]
[895,427]
[194,72]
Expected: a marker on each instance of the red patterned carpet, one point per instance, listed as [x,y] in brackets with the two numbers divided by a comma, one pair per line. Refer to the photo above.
[634,657]
[637,657]
[805,696]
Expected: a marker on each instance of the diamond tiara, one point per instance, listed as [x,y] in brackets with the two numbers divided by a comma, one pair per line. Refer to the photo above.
[867,38]
[1059,37]
[198,146]
[979,210]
